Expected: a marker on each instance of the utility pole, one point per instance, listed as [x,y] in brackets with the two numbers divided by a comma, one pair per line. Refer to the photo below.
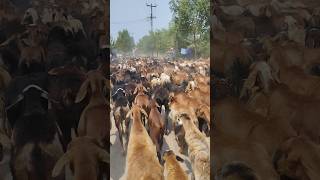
[151,22]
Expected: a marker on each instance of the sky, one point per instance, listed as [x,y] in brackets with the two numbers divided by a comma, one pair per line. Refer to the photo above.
[132,15]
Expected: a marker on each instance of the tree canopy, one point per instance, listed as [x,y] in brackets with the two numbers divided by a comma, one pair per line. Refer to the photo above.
[159,41]
[124,42]
[191,18]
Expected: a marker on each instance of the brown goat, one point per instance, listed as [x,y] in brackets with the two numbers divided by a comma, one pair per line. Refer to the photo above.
[141,151]
[156,125]
[141,99]
[179,77]
[122,124]
[202,96]
[181,103]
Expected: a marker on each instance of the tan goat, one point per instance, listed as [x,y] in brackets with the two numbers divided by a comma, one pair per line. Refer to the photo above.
[94,120]
[172,168]
[198,149]
[298,158]
[84,155]
[228,151]
[142,162]
[277,100]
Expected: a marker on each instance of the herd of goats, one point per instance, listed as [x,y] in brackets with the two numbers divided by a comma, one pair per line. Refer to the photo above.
[267,53]
[149,99]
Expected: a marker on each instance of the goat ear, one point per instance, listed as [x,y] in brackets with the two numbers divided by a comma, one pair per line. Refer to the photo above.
[103,156]
[64,159]
[179,158]
[82,91]
[135,91]
[6,78]
[73,134]
[157,105]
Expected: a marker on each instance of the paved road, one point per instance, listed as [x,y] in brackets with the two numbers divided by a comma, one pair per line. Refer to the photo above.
[118,160]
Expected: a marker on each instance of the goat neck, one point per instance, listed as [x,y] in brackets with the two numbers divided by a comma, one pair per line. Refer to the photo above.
[97,98]
[137,125]
[89,171]
[192,133]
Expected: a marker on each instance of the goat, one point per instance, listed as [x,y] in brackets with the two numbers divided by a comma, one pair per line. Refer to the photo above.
[141,151]
[94,120]
[298,158]
[172,169]
[122,124]
[141,99]
[198,149]
[84,155]
[242,124]
[281,102]
[240,153]
[156,126]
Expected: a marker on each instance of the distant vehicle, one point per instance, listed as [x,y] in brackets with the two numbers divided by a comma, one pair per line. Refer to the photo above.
[186,53]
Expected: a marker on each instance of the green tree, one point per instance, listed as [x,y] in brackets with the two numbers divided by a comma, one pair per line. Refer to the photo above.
[124,42]
[144,45]
[191,18]
[162,39]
